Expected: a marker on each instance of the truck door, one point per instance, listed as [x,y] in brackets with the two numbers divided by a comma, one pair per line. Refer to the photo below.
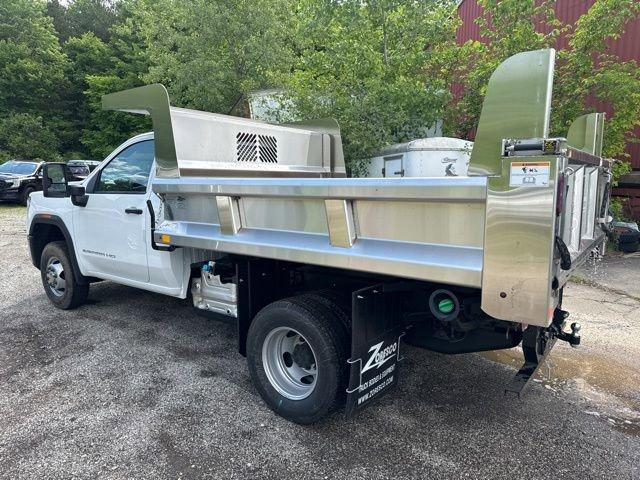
[111,231]
[393,166]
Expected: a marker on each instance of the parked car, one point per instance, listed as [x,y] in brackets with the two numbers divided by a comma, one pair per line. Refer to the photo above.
[81,169]
[627,235]
[18,179]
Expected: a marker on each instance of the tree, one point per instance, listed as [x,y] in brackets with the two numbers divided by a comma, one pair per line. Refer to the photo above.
[25,136]
[83,16]
[362,63]
[587,69]
[88,56]
[584,69]
[127,65]
[32,74]
[208,53]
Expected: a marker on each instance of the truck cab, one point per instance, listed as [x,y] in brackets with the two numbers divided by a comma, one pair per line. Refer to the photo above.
[107,231]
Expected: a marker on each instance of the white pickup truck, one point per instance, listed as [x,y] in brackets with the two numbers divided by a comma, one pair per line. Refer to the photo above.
[326,276]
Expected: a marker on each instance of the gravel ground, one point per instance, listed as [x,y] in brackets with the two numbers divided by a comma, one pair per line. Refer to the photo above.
[617,271]
[135,385]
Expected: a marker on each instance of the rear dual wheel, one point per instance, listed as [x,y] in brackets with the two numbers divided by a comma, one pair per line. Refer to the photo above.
[297,351]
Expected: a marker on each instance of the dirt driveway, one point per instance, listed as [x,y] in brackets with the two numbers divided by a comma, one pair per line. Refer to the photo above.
[135,385]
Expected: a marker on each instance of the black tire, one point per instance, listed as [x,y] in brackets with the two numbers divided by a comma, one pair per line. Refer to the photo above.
[28,190]
[74,293]
[629,247]
[323,330]
[338,303]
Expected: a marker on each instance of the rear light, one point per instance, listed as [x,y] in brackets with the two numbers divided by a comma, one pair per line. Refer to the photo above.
[562,193]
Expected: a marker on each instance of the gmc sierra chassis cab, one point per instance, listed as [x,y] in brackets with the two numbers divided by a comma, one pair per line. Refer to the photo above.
[327,277]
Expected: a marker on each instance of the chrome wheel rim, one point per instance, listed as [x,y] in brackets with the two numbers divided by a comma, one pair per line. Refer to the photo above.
[289,363]
[55,277]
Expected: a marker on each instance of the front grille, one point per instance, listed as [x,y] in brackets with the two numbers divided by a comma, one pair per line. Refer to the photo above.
[252,148]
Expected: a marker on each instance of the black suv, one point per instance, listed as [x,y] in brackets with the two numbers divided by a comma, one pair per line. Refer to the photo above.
[18,179]
[81,169]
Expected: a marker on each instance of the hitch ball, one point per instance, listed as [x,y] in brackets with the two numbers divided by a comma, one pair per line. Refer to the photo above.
[575,333]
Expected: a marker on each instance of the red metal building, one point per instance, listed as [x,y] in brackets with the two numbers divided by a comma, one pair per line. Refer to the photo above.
[627,47]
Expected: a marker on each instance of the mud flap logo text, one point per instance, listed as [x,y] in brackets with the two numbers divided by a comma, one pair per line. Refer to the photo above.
[379,357]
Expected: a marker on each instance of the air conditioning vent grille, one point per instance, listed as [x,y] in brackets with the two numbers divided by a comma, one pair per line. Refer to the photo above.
[268,149]
[252,148]
[246,147]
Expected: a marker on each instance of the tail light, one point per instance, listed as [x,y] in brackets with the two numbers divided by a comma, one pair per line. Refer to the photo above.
[562,193]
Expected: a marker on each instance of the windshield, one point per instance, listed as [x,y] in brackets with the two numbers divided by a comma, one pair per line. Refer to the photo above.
[18,168]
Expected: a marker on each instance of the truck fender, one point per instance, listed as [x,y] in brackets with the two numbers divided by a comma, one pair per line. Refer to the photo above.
[37,241]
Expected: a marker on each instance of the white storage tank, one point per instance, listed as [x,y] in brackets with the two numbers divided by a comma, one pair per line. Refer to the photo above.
[424,157]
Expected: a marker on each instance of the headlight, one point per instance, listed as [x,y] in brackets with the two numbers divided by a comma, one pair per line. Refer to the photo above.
[15,183]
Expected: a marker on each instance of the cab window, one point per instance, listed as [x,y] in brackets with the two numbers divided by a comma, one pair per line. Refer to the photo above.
[129,171]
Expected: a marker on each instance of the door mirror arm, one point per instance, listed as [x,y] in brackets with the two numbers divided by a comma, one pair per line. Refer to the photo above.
[78,195]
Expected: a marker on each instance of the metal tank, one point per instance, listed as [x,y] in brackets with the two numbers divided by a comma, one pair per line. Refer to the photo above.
[423,157]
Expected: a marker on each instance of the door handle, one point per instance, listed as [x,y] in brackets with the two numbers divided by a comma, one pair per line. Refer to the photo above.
[135,211]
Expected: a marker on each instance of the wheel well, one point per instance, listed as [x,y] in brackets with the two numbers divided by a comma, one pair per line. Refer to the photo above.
[42,234]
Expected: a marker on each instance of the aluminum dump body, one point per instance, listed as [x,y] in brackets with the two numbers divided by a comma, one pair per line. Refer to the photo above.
[429,228]
[496,230]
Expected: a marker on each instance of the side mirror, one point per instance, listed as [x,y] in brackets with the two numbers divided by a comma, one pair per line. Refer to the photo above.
[76,190]
[54,180]
[78,195]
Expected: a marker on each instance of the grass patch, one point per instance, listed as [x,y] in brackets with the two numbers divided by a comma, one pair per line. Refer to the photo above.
[11,210]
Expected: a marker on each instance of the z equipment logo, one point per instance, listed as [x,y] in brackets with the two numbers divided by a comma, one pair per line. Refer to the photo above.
[380,357]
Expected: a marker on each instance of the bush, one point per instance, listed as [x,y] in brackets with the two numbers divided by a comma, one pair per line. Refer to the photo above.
[24,136]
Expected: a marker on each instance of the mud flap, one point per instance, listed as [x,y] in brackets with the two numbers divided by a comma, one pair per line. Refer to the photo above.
[376,332]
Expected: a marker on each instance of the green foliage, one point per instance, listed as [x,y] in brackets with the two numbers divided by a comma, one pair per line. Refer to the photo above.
[584,69]
[31,61]
[508,28]
[208,53]
[87,55]
[106,129]
[587,69]
[24,136]
[619,208]
[362,63]
[128,63]
[32,79]
[82,16]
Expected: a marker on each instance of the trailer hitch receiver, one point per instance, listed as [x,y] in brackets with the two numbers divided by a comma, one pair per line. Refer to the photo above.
[537,342]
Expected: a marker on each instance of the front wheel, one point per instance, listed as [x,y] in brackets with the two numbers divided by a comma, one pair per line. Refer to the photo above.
[297,356]
[59,281]
[25,194]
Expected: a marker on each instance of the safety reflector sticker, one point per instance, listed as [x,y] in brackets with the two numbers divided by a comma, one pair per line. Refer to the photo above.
[529,174]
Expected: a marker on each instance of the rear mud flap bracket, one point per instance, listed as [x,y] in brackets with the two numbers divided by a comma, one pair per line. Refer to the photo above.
[377,331]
